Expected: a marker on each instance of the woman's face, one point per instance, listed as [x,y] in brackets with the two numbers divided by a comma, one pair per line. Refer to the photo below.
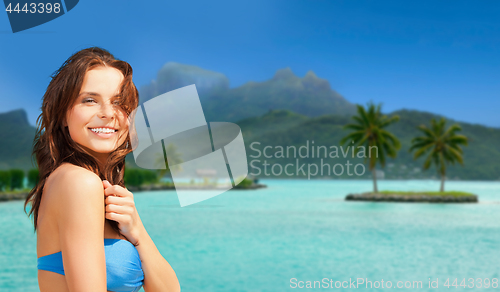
[96,120]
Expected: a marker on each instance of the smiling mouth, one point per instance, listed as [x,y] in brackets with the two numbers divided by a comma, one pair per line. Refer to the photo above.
[103,130]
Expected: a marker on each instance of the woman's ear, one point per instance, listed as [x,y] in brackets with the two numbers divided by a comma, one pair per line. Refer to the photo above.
[64,122]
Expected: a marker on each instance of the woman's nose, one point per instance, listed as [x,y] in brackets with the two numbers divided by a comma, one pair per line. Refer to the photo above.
[107,111]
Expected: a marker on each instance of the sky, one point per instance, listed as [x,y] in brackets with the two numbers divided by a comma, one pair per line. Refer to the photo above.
[436,56]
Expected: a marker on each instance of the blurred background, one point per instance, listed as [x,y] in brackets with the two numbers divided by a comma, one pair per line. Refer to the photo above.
[288,73]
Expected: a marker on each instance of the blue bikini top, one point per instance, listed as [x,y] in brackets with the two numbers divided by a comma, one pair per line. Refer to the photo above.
[123,265]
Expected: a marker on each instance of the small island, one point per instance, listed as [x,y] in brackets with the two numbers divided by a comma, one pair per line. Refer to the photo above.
[246,184]
[440,144]
[14,195]
[426,197]
[22,194]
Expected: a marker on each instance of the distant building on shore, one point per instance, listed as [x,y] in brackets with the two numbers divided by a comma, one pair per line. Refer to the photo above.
[379,173]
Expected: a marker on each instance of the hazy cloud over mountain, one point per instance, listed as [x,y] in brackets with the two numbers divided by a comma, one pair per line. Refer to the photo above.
[174,75]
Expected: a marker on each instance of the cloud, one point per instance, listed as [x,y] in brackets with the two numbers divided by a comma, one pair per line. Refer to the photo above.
[175,75]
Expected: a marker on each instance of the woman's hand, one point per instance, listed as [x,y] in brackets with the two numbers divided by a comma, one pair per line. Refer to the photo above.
[120,207]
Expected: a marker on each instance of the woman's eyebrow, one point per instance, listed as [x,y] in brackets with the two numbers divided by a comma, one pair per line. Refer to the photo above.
[89,93]
[96,94]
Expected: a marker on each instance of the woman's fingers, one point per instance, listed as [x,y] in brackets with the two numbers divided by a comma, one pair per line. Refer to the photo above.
[116,190]
[106,184]
[120,218]
[119,201]
[125,210]
[120,207]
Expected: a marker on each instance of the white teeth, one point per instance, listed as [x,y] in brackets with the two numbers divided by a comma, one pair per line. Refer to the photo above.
[102,130]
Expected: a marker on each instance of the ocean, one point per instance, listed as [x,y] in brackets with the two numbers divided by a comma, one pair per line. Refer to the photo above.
[296,232]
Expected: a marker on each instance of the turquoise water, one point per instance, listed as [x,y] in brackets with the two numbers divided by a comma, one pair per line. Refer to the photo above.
[258,240]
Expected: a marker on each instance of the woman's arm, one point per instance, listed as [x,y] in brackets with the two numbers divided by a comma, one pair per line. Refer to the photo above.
[80,220]
[158,274]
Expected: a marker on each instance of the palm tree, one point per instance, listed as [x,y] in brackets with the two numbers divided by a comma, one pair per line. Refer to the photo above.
[369,132]
[442,146]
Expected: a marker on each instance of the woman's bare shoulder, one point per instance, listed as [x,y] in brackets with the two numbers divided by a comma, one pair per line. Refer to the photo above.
[69,181]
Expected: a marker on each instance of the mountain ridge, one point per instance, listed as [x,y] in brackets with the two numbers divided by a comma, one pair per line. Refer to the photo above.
[308,95]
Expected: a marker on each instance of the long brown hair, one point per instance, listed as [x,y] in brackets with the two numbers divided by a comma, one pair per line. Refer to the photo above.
[53,144]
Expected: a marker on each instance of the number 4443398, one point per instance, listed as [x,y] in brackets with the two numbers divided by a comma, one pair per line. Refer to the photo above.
[34,8]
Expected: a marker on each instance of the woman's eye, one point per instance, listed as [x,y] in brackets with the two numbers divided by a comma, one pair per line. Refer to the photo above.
[88,100]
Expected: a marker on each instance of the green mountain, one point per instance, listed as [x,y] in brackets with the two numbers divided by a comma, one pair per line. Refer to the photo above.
[17,136]
[293,130]
[272,121]
[310,96]
[480,157]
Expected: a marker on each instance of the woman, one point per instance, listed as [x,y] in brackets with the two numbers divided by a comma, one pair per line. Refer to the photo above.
[89,234]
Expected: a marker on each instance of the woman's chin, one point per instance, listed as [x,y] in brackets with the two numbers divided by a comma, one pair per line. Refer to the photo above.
[102,150]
